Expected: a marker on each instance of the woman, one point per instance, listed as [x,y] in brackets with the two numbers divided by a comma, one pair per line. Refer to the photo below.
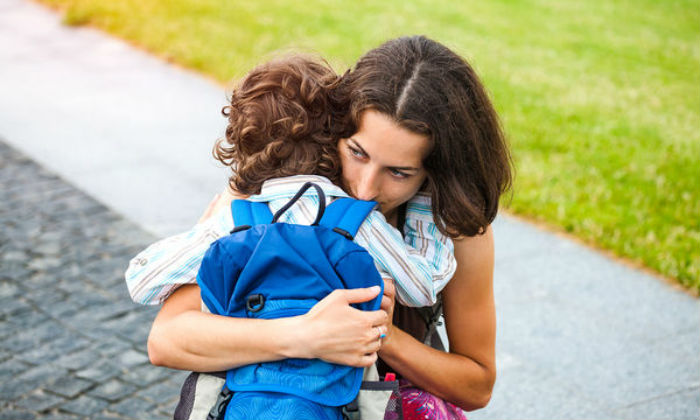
[413,117]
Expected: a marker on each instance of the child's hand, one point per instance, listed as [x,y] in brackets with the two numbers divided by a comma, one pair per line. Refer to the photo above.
[220,200]
[210,209]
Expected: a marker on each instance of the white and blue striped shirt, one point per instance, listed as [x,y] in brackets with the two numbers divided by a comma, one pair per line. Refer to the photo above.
[420,264]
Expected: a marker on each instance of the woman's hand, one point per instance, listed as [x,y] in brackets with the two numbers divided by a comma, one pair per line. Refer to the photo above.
[388,302]
[338,333]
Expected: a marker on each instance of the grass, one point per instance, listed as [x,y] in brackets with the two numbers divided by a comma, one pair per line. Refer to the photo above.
[600,99]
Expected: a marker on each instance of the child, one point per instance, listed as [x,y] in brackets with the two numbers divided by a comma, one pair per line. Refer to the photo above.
[280,136]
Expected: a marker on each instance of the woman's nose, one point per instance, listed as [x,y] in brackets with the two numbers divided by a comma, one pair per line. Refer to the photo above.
[367,188]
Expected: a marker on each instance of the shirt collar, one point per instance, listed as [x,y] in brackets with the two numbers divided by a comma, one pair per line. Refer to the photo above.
[289,185]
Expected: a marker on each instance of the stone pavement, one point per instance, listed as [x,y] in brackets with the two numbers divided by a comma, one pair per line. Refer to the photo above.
[72,344]
[579,335]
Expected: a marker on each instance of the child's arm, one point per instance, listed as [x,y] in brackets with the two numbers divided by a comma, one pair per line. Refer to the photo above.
[422,234]
[157,271]
[420,267]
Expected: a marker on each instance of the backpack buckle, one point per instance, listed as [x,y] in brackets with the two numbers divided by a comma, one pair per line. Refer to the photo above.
[218,411]
[255,303]
[343,232]
[351,410]
[240,228]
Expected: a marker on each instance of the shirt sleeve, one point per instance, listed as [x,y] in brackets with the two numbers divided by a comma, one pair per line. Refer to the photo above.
[156,272]
[422,234]
[419,269]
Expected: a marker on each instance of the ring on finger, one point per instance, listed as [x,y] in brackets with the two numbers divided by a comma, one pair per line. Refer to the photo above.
[381,333]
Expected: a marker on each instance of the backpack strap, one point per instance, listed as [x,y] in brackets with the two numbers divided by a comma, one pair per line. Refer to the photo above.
[297,196]
[249,213]
[345,215]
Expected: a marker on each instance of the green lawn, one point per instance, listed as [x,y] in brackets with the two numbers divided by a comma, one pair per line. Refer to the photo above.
[600,99]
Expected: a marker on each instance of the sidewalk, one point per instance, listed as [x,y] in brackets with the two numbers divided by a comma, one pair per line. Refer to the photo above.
[579,335]
[72,343]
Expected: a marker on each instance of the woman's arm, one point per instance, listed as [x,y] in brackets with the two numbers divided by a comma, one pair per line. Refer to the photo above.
[465,375]
[183,337]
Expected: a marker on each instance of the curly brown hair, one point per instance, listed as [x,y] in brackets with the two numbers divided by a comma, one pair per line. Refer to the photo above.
[279,124]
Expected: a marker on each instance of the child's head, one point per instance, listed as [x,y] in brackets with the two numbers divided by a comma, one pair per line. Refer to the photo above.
[279,124]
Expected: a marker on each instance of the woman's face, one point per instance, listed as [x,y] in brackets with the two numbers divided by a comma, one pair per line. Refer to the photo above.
[383,162]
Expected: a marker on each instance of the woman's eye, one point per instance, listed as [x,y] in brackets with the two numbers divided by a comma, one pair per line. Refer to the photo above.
[356,152]
[398,173]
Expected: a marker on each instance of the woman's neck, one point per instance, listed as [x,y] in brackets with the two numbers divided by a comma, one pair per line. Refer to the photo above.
[392,217]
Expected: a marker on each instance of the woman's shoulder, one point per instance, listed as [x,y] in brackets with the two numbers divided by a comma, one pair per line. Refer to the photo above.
[475,247]
[475,256]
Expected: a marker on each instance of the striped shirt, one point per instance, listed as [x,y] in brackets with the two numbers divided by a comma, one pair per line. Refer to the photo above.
[421,264]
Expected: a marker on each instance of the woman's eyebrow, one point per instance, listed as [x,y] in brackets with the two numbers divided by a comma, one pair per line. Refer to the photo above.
[356,144]
[405,168]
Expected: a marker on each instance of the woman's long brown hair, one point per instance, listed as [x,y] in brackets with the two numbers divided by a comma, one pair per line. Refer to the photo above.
[428,89]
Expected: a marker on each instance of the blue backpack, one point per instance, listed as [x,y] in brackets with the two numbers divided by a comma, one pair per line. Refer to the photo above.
[267,269]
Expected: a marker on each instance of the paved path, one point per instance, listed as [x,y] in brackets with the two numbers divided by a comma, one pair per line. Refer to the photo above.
[113,121]
[73,344]
[580,336]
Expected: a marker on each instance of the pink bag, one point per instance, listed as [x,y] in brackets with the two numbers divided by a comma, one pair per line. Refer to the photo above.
[422,405]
